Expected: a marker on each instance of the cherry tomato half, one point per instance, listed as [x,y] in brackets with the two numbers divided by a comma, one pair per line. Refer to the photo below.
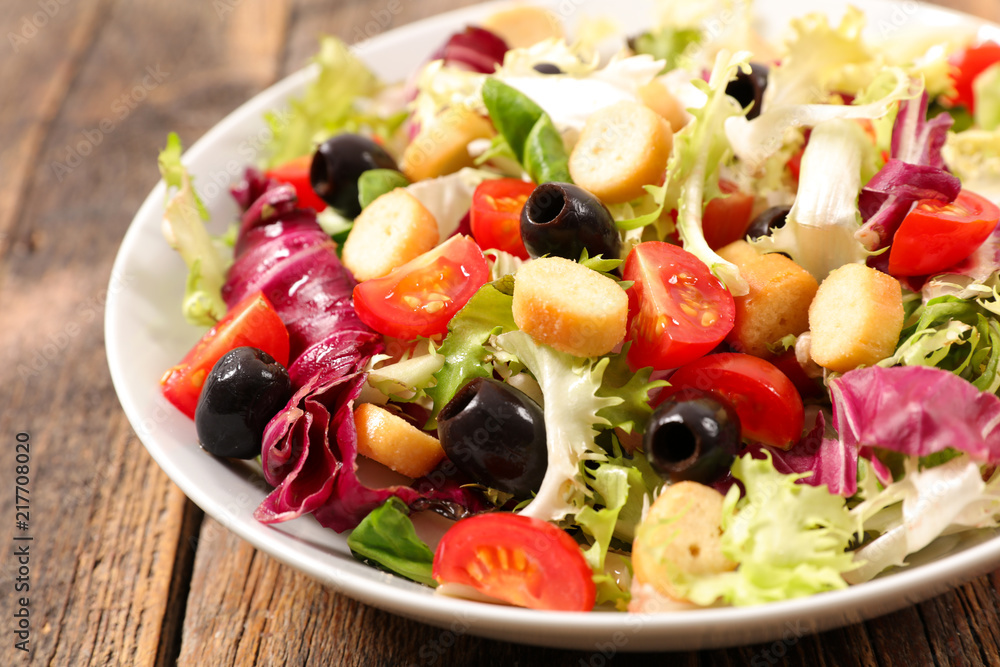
[420,297]
[766,401]
[525,561]
[968,65]
[296,173]
[252,322]
[496,214]
[677,310]
[726,218]
[935,235]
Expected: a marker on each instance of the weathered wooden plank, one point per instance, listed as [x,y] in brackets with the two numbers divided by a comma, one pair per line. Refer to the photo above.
[86,105]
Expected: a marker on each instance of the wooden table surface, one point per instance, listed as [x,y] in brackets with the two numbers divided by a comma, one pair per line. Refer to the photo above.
[123,568]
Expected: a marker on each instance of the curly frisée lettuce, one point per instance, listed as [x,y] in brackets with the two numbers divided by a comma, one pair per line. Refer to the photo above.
[331,104]
[789,539]
[693,171]
[569,386]
[184,229]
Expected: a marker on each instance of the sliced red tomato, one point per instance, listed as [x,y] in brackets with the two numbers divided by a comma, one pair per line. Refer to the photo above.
[420,297]
[677,310]
[968,65]
[496,214]
[766,401]
[795,164]
[726,218]
[296,173]
[935,236]
[252,322]
[521,560]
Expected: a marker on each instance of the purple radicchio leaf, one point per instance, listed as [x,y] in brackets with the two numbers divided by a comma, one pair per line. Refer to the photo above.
[254,184]
[831,461]
[915,170]
[915,410]
[332,491]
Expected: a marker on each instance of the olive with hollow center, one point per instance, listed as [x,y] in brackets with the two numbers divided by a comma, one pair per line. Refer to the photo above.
[767,221]
[692,436]
[562,219]
[495,434]
[747,88]
[241,394]
[338,163]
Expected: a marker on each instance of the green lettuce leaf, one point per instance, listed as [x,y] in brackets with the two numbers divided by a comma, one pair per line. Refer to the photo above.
[184,229]
[465,349]
[956,335]
[386,538]
[986,88]
[700,149]
[790,540]
[374,183]
[974,156]
[529,132]
[328,107]
[569,388]
[632,388]
[666,44]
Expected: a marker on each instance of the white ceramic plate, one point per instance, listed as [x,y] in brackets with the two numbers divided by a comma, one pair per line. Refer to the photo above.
[145,335]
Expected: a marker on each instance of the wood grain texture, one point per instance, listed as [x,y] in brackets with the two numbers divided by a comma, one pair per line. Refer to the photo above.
[124,569]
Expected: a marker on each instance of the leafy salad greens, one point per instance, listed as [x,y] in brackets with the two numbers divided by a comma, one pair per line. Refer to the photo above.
[845,148]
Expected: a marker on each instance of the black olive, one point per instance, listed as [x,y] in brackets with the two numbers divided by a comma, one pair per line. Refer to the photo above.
[562,219]
[495,434]
[245,388]
[336,166]
[547,68]
[768,221]
[747,88]
[692,436]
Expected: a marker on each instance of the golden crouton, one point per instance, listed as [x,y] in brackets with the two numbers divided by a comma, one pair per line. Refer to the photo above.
[394,442]
[776,305]
[389,232]
[681,535]
[855,319]
[621,148]
[570,307]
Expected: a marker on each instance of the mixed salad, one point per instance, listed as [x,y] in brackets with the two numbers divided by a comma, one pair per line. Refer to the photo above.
[710,320]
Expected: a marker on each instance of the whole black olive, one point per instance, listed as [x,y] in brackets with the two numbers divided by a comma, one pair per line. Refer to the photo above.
[692,436]
[245,388]
[767,221]
[547,68]
[336,166]
[747,88]
[562,219]
[495,434]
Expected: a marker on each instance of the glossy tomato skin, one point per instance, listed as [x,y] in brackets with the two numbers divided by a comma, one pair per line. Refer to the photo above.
[968,65]
[420,297]
[521,560]
[935,236]
[677,310]
[766,401]
[495,216]
[252,322]
[726,218]
[296,173]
